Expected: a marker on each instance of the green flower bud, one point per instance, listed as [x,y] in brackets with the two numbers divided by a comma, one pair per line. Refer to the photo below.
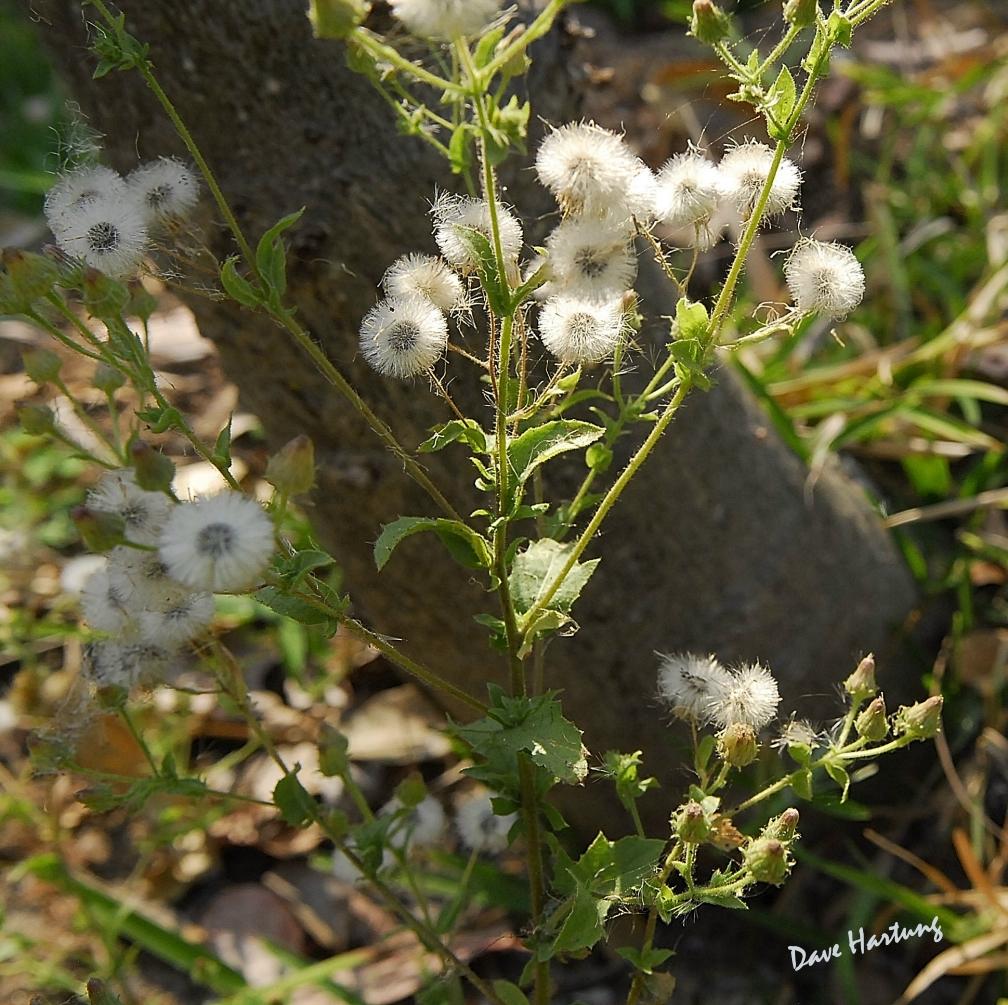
[42,365]
[782,828]
[31,276]
[36,420]
[861,684]
[337,18]
[872,724]
[691,824]
[154,471]
[104,297]
[921,721]
[768,861]
[107,379]
[142,303]
[801,13]
[100,531]
[710,24]
[738,744]
[292,468]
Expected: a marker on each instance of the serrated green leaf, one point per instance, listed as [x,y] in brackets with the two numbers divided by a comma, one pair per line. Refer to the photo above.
[458,430]
[780,103]
[295,608]
[464,544]
[540,444]
[691,320]
[295,804]
[536,568]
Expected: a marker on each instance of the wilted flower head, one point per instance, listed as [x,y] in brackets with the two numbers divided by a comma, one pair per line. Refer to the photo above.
[691,684]
[142,513]
[799,733]
[824,279]
[454,215]
[143,577]
[479,827]
[403,337]
[751,698]
[591,258]
[577,330]
[744,170]
[178,622]
[220,543]
[165,187]
[108,233]
[688,190]
[588,169]
[77,188]
[424,276]
[445,20]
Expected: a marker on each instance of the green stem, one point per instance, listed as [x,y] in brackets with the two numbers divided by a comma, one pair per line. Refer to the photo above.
[610,499]
[386,54]
[778,51]
[539,27]
[537,884]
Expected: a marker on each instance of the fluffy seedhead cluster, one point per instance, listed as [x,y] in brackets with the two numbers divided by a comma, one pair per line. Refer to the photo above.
[155,590]
[106,221]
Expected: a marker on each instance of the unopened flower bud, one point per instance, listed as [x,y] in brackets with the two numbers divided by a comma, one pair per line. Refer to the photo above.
[333,746]
[36,420]
[154,471]
[767,859]
[42,365]
[710,24]
[691,824]
[292,468]
[737,744]
[31,276]
[861,684]
[871,724]
[107,379]
[337,18]
[104,297]
[411,791]
[921,721]
[801,13]
[99,530]
[783,827]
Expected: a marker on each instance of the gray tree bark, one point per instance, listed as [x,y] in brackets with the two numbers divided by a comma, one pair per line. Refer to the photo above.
[718,545]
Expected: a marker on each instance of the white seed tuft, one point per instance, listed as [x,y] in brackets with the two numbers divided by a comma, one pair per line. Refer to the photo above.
[425,276]
[166,188]
[455,215]
[74,190]
[143,513]
[591,258]
[403,337]
[744,171]
[108,233]
[689,191]
[445,20]
[576,330]
[691,684]
[751,698]
[824,279]
[480,828]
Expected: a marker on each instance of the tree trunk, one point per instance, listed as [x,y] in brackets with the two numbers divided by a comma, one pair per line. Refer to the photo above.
[719,544]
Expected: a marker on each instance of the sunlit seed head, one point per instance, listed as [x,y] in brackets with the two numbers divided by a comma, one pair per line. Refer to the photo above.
[456,216]
[403,337]
[577,330]
[824,279]
[744,170]
[691,684]
[444,20]
[165,187]
[425,276]
[591,257]
[76,189]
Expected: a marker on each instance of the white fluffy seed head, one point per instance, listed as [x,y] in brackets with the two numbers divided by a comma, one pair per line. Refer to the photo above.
[577,330]
[444,20]
[143,577]
[480,828]
[143,513]
[125,664]
[824,279]
[166,188]
[220,543]
[591,258]
[426,276]
[108,233]
[591,170]
[751,698]
[744,170]
[688,190]
[422,827]
[691,684]
[455,215]
[403,337]
[74,190]
[178,622]
[106,605]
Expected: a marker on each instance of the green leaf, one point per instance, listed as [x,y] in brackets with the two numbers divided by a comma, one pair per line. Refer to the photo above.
[222,448]
[780,103]
[528,725]
[485,49]
[535,569]
[726,900]
[691,320]
[293,801]
[802,783]
[460,149]
[618,868]
[546,622]
[238,287]
[840,29]
[295,608]
[705,748]
[465,545]
[582,927]
[509,994]
[645,961]
[840,776]
[622,769]
[464,430]
[271,255]
[497,292]
[540,444]
[294,568]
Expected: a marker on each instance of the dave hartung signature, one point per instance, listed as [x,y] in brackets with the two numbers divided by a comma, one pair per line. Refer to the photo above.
[859,943]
